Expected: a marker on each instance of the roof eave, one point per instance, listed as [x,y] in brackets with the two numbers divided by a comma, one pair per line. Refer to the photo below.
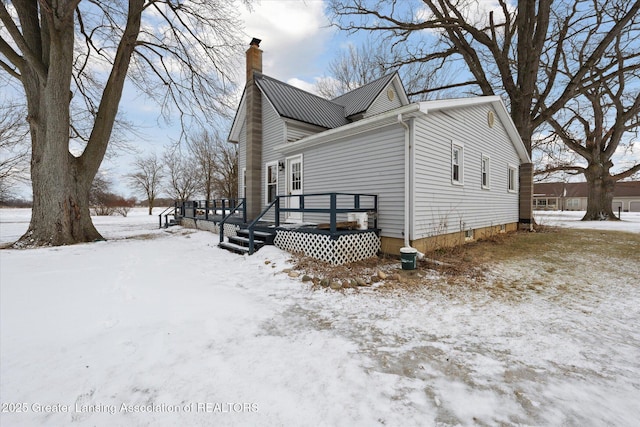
[238,120]
[499,107]
[360,126]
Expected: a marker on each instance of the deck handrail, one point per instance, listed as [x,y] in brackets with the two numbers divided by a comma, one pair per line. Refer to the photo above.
[252,226]
[174,207]
[231,212]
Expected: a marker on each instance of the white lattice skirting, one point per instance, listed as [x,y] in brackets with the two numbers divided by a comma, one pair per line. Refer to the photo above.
[229,229]
[346,248]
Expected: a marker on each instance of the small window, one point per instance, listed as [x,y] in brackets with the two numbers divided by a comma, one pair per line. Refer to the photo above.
[468,235]
[271,182]
[503,228]
[457,162]
[485,172]
[244,182]
[511,179]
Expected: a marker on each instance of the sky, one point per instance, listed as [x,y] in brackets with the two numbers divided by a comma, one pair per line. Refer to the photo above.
[297,42]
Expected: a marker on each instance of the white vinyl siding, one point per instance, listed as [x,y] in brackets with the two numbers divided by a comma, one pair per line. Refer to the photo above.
[383,104]
[273,133]
[298,131]
[242,160]
[369,163]
[441,208]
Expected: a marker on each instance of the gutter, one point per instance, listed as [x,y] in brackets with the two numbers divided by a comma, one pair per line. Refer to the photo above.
[363,125]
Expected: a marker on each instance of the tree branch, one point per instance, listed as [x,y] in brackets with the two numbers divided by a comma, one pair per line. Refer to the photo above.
[627,173]
[28,55]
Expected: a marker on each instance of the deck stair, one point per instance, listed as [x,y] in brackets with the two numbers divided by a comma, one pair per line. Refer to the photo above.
[241,242]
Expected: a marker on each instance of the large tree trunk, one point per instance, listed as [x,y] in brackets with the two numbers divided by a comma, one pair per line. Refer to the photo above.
[60,214]
[601,186]
[60,183]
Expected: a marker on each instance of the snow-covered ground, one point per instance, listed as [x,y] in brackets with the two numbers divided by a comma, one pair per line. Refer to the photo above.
[161,328]
[630,221]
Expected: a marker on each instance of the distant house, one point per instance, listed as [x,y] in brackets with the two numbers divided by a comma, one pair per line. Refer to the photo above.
[443,171]
[572,196]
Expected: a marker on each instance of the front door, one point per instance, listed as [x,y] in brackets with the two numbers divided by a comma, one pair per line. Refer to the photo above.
[294,187]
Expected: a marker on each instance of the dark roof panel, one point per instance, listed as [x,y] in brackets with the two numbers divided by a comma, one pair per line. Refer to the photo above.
[360,99]
[294,103]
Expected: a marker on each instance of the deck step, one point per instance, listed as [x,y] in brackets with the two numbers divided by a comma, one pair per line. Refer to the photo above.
[234,248]
[240,243]
[244,241]
[265,236]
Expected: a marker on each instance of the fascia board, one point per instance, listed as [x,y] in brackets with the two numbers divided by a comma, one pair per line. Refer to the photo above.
[351,129]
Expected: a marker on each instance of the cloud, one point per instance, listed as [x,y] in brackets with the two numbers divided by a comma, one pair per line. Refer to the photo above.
[301,84]
[476,13]
[294,34]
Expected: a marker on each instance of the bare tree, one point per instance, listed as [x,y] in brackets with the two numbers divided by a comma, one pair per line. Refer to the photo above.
[226,178]
[104,201]
[183,174]
[217,161]
[359,65]
[177,53]
[595,126]
[518,52]
[147,178]
[14,147]
[202,146]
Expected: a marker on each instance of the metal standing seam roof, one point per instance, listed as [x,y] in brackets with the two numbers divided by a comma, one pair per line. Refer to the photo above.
[294,103]
[359,100]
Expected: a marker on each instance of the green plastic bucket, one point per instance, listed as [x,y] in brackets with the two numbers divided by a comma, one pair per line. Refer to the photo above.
[408,257]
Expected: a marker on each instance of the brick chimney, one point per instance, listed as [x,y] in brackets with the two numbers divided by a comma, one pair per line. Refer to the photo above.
[254,132]
[254,58]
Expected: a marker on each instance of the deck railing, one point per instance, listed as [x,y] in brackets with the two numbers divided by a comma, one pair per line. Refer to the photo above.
[242,206]
[213,209]
[338,204]
[169,211]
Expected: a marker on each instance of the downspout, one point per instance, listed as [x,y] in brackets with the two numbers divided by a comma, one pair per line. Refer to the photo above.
[408,187]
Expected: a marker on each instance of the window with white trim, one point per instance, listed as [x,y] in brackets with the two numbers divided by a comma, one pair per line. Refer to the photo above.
[244,182]
[511,178]
[271,182]
[457,162]
[485,169]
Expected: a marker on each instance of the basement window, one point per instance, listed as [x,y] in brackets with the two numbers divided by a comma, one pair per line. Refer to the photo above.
[468,235]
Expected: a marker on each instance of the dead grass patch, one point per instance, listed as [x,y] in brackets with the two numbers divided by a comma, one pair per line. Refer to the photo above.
[553,250]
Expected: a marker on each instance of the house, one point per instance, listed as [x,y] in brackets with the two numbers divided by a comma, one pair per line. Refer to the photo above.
[443,172]
[572,196]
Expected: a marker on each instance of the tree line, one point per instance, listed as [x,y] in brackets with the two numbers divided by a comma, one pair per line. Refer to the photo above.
[205,167]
